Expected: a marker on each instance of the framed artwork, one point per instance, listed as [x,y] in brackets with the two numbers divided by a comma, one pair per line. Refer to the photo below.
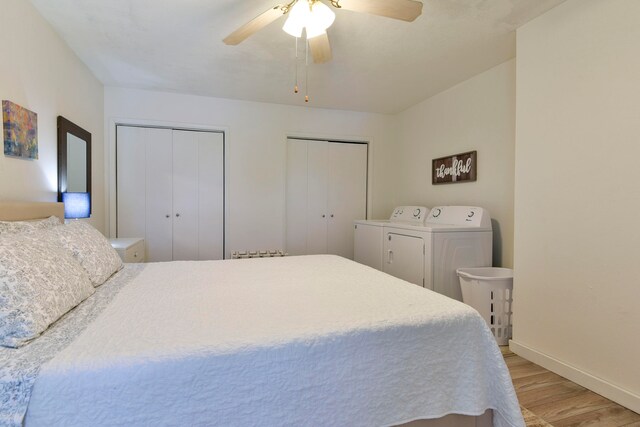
[461,167]
[20,131]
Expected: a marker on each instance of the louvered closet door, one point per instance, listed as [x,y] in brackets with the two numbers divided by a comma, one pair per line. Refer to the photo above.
[347,195]
[198,195]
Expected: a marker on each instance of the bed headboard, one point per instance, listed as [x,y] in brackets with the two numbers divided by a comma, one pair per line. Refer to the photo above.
[20,211]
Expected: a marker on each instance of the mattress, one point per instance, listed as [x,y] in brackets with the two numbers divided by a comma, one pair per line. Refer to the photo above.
[312,340]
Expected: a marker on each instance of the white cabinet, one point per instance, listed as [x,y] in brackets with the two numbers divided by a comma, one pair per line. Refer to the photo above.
[326,192]
[170,189]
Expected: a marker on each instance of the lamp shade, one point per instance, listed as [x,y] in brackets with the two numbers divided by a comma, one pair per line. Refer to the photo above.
[76,205]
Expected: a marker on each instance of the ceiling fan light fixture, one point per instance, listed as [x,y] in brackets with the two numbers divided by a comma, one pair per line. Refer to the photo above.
[313,31]
[298,17]
[315,17]
[321,16]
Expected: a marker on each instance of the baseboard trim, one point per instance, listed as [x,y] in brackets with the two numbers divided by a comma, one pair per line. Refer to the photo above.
[619,395]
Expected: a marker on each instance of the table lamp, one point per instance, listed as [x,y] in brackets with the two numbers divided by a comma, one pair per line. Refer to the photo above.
[76,205]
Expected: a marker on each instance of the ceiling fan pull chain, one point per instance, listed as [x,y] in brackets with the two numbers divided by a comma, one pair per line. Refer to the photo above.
[306,72]
[295,88]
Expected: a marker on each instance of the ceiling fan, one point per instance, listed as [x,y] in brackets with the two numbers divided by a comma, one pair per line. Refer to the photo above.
[316,17]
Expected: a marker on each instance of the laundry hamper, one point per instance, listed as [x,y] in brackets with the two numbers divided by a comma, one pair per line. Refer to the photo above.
[490,291]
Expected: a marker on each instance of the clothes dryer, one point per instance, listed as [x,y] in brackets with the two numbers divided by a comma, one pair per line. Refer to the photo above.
[428,254]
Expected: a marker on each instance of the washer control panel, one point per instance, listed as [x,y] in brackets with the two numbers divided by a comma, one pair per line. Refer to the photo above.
[409,214]
[459,215]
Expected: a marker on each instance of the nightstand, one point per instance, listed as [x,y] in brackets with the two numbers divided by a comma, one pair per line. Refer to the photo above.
[130,249]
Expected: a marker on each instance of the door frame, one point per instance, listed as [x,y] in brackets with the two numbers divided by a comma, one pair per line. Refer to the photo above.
[111,171]
[347,139]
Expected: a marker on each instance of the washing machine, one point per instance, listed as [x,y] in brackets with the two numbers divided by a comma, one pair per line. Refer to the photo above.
[428,253]
[368,245]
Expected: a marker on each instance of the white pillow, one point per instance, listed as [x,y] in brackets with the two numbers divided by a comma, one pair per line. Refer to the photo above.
[89,247]
[12,227]
[39,282]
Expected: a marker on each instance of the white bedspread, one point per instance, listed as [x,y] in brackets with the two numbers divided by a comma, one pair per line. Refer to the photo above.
[315,340]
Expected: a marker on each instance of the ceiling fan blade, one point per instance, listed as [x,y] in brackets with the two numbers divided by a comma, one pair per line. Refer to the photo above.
[253,26]
[320,48]
[405,10]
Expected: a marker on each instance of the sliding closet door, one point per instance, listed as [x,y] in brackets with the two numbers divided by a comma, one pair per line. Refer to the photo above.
[347,195]
[198,194]
[159,195]
[317,214]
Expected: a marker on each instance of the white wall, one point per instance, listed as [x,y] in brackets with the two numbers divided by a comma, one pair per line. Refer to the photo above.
[38,71]
[478,114]
[577,195]
[256,152]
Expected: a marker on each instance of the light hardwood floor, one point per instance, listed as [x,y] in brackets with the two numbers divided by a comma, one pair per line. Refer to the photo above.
[559,402]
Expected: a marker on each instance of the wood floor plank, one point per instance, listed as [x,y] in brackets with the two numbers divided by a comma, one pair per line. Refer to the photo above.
[549,398]
[513,361]
[549,394]
[613,416]
[532,420]
[525,370]
[533,382]
[581,403]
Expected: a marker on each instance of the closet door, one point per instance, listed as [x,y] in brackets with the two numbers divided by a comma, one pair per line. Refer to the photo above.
[198,195]
[326,192]
[144,190]
[296,197]
[211,195]
[317,214]
[347,195]
[159,194]
[131,158]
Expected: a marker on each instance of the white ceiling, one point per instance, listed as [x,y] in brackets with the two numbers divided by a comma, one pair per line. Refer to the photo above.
[379,64]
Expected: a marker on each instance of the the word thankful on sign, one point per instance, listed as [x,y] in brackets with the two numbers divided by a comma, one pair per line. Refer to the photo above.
[457,168]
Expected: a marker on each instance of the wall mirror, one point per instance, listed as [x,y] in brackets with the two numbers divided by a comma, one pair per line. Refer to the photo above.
[74,158]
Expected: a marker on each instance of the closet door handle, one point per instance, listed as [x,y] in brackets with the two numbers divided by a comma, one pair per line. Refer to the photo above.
[390,259]
[167,216]
[331,215]
[324,216]
[177,215]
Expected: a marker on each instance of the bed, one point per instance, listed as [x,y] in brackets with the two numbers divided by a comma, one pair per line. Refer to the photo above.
[311,340]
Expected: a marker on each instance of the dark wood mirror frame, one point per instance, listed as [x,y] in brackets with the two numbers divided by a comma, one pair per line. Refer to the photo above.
[64,127]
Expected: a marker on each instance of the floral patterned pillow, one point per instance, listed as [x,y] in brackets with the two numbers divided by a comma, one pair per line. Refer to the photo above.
[39,282]
[13,227]
[89,247]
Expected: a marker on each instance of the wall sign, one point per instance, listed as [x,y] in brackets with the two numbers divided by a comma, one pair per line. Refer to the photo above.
[457,168]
